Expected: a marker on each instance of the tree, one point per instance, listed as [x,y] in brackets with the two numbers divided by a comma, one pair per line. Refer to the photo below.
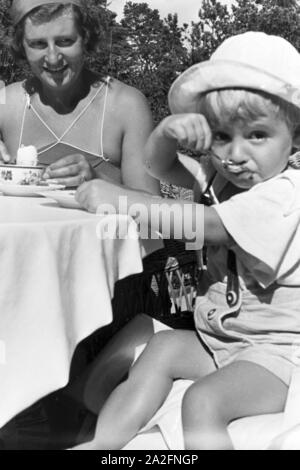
[217,22]
[8,69]
[152,55]
[148,51]
[286,3]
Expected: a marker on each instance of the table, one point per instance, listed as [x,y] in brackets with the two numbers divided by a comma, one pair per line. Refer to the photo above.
[57,276]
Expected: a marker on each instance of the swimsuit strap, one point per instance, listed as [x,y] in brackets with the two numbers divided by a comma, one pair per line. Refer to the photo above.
[29,105]
[102,121]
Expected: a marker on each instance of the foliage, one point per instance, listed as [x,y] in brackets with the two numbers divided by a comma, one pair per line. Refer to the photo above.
[152,53]
[217,22]
[148,52]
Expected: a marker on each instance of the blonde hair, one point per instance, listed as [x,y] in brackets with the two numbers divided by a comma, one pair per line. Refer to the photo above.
[232,105]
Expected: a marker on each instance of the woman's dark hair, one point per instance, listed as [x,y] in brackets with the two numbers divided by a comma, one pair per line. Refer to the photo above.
[92,25]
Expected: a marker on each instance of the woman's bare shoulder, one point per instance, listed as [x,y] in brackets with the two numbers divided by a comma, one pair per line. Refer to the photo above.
[15,94]
[14,100]
[126,94]
[15,90]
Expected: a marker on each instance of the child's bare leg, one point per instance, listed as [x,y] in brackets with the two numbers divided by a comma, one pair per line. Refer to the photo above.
[240,389]
[114,361]
[169,355]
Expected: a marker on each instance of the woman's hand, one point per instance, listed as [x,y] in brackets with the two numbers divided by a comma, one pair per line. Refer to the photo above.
[189,130]
[4,155]
[70,171]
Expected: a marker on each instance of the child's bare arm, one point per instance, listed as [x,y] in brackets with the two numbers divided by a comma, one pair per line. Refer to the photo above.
[180,219]
[161,160]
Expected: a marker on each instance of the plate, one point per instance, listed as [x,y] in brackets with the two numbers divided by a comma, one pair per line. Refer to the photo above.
[64,198]
[32,190]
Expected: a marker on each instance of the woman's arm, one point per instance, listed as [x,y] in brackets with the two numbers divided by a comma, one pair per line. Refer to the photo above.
[136,118]
[4,155]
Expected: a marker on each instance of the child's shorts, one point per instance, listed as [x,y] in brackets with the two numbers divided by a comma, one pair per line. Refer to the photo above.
[258,330]
[272,358]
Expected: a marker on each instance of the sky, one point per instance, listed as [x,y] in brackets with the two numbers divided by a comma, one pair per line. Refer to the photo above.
[187,9]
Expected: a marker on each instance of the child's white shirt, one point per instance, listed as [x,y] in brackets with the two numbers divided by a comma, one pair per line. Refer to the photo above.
[264,223]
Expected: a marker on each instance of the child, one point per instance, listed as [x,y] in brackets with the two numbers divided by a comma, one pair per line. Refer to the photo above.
[241,108]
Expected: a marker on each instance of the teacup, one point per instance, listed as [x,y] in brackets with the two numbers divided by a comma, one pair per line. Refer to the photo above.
[24,175]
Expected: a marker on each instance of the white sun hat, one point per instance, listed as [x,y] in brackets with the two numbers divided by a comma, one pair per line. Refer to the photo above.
[252,60]
[21,8]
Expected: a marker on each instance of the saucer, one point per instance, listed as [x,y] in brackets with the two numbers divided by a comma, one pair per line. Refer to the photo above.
[24,190]
[64,198]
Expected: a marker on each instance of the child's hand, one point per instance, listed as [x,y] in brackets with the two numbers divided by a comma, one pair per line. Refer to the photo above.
[93,194]
[189,130]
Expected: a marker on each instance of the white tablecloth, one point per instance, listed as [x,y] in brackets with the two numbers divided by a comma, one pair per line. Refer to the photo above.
[56,283]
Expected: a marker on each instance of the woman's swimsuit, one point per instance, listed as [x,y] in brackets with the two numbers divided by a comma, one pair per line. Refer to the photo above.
[80,135]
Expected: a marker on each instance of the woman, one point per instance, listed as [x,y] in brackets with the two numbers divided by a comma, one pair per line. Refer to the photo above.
[84,126]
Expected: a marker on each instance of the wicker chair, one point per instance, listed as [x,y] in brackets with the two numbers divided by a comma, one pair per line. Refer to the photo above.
[165,290]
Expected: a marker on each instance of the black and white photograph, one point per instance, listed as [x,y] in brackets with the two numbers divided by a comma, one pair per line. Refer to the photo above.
[149,227]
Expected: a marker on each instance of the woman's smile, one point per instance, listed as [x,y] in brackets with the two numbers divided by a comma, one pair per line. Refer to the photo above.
[56,69]
[57,74]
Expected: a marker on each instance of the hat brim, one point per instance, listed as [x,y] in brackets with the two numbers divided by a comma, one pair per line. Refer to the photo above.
[21,8]
[212,75]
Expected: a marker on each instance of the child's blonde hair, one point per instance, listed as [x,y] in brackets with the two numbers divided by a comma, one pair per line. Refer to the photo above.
[232,105]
